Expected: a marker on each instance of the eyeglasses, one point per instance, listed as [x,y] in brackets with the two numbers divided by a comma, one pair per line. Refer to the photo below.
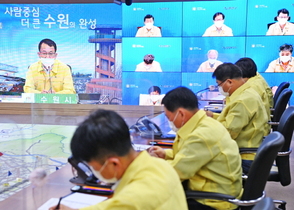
[47,54]
[221,83]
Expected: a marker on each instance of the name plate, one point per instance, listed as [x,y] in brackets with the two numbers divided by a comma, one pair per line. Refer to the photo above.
[50,98]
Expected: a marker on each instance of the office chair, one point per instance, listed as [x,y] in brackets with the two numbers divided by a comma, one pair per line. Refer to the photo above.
[280,88]
[265,204]
[257,176]
[283,173]
[279,107]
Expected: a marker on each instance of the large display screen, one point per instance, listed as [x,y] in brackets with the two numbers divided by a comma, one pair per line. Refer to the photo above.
[108,46]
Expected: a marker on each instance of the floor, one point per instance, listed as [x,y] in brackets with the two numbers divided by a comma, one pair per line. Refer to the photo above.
[277,191]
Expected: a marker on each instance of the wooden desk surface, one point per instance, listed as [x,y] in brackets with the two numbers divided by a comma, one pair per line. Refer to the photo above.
[68,113]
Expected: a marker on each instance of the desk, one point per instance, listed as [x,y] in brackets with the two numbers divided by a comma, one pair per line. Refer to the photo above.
[30,199]
[58,183]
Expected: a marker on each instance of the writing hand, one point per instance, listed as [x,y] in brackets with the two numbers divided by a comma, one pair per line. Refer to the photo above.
[61,207]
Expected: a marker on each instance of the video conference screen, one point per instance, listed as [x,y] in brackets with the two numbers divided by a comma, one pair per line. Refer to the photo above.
[114,50]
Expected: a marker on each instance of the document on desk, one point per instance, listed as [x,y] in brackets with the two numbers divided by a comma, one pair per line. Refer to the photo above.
[75,200]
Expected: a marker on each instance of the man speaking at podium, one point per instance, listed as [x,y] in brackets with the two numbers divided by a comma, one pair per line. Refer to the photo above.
[49,75]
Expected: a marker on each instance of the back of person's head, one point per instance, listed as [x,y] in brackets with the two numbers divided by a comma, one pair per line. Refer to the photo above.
[103,134]
[286,47]
[149,58]
[49,42]
[148,16]
[227,71]
[217,14]
[180,97]
[247,66]
[154,89]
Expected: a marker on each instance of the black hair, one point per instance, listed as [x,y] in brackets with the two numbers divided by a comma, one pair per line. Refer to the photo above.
[286,47]
[103,134]
[247,66]
[148,59]
[154,89]
[49,42]
[227,71]
[217,14]
[180,97]
[148,16]
[284,11]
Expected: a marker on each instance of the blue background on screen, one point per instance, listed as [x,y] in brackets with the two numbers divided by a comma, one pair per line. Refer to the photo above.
[167,15]
[19,44]
[195,49]
[262,12]
[197,16]
[265,49]
[167,51]
[136,83]
[198,81]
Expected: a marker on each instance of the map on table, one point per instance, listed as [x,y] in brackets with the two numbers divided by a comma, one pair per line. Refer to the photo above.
[24,147]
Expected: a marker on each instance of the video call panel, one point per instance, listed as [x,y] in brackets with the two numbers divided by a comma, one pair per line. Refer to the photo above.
[198,16]
[136,83]
[195,50]
[263,12]
[265,49]
[167,16]
[166,52]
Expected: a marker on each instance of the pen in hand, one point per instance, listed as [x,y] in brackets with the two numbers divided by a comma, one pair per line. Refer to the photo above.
[58,204]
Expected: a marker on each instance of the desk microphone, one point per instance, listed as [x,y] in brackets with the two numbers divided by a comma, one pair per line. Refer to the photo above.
[210,88]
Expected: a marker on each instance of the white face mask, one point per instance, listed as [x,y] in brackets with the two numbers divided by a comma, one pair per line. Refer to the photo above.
[285,59]
[282,21]
[100,177]
[212,61]
[221,90]
[149,25]
[219,23]
[172,125]
[47,62]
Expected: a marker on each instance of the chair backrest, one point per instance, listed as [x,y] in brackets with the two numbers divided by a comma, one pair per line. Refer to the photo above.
[285,127]
[262,163]
[281,87]
[281,105]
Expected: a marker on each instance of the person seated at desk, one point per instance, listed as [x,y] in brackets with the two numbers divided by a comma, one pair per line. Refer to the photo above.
[149,30]
[211,63]
[283,26]
[257,82]
[154,97]
[244,115]
[203,152]
[49,75]
[285,63]
[218,28]
[148,64]
[140,181]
